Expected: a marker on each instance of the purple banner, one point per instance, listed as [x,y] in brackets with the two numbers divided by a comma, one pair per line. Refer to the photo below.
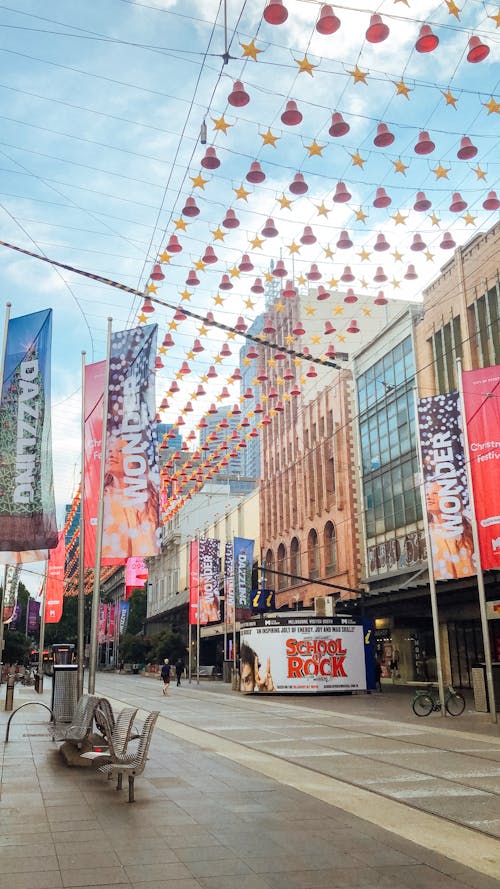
[32,617]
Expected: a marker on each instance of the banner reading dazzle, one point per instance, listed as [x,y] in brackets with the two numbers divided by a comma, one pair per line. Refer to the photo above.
[228,583]
[243,563]
[482,412]
[445,483]
[27,508]
[132,482]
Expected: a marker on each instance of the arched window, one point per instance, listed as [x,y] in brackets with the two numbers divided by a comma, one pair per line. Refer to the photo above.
[281,581]
[270,579]
[313,553]
[330,548]
[295,566]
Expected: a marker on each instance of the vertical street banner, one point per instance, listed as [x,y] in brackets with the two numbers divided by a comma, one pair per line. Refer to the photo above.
[228,584]
[124,612]
[243,563]
[54,593]
[92,448]
[194,582]
[481,390]
[136,575]
[27,506]
[32,617]
[10,592]
[102,622]
[445,484]
[111,623]
[209,559]
[132,482]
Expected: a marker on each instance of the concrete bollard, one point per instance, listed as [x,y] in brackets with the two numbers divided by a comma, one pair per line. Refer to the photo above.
[9,694]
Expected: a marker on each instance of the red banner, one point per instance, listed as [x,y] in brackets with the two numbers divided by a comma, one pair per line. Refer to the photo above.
[482,414]
[54,593]
[194,582]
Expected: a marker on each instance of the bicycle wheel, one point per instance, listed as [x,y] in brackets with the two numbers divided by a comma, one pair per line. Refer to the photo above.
[455,704]
[422,705]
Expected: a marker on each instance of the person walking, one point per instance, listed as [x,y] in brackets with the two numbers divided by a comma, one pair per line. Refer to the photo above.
[179,669]
[165,675]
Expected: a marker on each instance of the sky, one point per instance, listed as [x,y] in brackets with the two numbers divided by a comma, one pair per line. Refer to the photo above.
[101,106]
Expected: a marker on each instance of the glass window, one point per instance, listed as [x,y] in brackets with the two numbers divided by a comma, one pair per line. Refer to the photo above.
[330,543]
[313,553]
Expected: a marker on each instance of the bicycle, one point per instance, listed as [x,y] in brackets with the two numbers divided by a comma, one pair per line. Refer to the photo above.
[427,699]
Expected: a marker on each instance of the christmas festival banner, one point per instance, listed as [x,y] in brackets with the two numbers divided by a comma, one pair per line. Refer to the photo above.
[132,480]
[27,507]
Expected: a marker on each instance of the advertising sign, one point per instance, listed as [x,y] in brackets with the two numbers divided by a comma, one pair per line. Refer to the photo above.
[243,563]
[54,594]
[302,655]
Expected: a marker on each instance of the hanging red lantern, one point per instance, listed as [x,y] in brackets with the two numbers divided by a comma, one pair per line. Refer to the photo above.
[158,363]
[257,286]
[314,273]
[384,136]
[344,241]
[467,150]
[427,40]
[424,143]
[327,22]
[342,195]
[294,390]
[298,329]
[350,296]
[279,270]
[322,293]
[457,204]
[192,280]
[270,230]
[173,245]
[291,115]
[268,326]
[329,328]
[381,243]
[347,275]
[447,243]
[275,12]
[255,173]
[211,373]
[377,31]
[230,220]
[411,274]
[148,306]
[225,283]
[190,207]
[382,199]
[197,346]
[252,353]
[339,126]
[380,299]
[262,376]
[209,256]
[330,352]
[299,185]
[308,237]
[289,290]
[210,161]
[477,50]
[311,372]
[157,274]
[184,369]
[353,327]
[417,244]
[422,203]
[240,326]
[238,97]
[379,276]
[168,341]
[288,373]
[492,202]
[246,265]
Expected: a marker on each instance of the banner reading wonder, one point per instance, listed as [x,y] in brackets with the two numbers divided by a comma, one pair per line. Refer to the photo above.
[445,483]
[27,507]
[481,390]
[132,481]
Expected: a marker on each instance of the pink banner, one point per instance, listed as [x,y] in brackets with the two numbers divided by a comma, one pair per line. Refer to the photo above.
[136,574]
[194,582]
[54,593]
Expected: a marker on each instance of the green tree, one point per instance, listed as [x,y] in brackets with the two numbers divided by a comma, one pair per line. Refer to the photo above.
[135,649]
[17,647]
[169,644]
[137,613]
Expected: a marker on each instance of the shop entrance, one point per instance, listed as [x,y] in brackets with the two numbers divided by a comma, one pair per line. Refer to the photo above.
[466,650]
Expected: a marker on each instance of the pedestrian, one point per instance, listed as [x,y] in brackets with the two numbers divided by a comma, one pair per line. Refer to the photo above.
[165,675]
[179,669]
[378,675]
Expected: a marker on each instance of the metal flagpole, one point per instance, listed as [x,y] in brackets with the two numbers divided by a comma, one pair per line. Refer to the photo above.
[2,367]
[2,600]
[430,568]
[475,538]
[81,564]
[41,639]
[98,542]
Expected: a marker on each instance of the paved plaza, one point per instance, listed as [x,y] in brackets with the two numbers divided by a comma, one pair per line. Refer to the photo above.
[257,793]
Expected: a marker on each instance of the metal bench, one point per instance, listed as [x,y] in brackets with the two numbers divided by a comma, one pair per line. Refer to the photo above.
[81,725]
[132,763]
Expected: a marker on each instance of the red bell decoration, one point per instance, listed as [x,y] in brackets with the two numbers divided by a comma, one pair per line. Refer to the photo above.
[174,387]
[268,326]
[184,369]
[422,203]
[295,390]
[312,372]
[211,373]
[231,220]
[299,185]
[225,283]
[148,306]
[329,328]
[477,50]
[262,374]
[411,274]
[238,97]
[270,230]
[330,352]
[417,244]
[308,237]
[327,22]
[236,411]
[158,363]
[197,347]
[381,243]
[299,329]
[210,161]
[279,356]
[427,40]
[289,290]
[255,173]
[339,126]
[347,275]
[291,115]
[272,392]
[168,341]
[344,242]
[212,409]
[380,299]
[350,296]
[353,327]
[314,273]
[322,293]
[457,203]
[209,318]
[173,245]
[467,150]
[192,280]
[288,373]
[181,421]
[279,406]
[190,208]
[382,199]
[157,274]
[384,136]
[491,202]
[275,12]
[224,391]
[209,256]
[280,271]
[164,404]
[424,143]
[257,286]
[248,393]
[252,353]
[189,407]
[377,31]
[380,276]
[246,265]
[240,326]
[447,243]
[342,195]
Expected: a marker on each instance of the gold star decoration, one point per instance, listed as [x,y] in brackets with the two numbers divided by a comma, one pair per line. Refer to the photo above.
[441,172]
[310,310]
[162,350]
[401,88]
[231,334]
[358,75]
[397,256]
[221,125]
[428,255]
[328,252]
[315,340]
[496,18]
[338,310]
[268,138]
[364,284]
[399,166]
[399,219]
[301,280]
[322,210]
[234,272]
[450,98]
[217,359]
[185,295]
[284,202]
[218,234]
[190,357]
[271,362]
[341,337]
[402,1]
[172,325]
[142,318]
[241,193]
[395,283]
[469,219]
[279,307]
[333,282]
[249,304]
[198,181]
[151,288]
[181,224]
[218,300]
[453,8]
[360,215]
[268,277]
[315,149]
[246,361]
[293,248]
[492,106]
[250,51]
[357,160]
[200,266]
[481,174]
[297,361]
[434,219]
[366,310]
[203,332]
[164,257]
[305,66]
[364,254]
[289,339]
[257,243]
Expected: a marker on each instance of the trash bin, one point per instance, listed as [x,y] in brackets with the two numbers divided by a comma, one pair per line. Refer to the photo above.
[64,692]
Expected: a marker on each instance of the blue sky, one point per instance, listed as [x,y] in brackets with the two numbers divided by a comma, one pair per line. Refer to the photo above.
[101,107]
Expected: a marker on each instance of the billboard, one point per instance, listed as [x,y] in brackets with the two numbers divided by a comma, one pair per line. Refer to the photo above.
[302,655]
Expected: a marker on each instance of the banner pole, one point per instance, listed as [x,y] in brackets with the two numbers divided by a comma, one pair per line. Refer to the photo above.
[81,564]
[2,368]
[2,600]
[475,537]
[41,638]
[198,620]
[100,516]
[430,567]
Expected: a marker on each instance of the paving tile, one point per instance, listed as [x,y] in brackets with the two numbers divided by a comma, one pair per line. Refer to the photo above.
[139,855]
[246,881]
[50,879]
[219,868]
[189,883]
[27,863]
[148,873]
[72,859]
[88,876]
